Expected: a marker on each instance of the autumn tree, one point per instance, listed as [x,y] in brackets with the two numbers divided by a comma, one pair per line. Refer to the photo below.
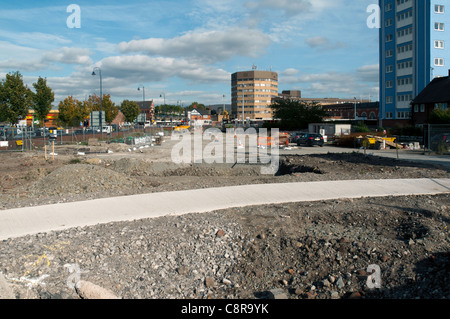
[107,106]
[42,100]
[71,112]
[15,98]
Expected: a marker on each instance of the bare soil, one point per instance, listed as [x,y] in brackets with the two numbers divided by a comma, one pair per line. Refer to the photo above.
[317,250]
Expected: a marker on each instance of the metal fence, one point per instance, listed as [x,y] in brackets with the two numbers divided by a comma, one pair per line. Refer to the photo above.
[22,139]
[437,138]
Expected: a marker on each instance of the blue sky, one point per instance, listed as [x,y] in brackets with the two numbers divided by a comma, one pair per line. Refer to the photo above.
[189,49]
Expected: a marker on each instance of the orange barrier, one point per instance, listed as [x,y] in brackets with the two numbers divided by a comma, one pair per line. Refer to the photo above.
[265,141]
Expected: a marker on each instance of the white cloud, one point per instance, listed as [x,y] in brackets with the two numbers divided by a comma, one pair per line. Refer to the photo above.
[206,46]
[369,73]
[330,84]
[323,43]
[27,59]
[69,56]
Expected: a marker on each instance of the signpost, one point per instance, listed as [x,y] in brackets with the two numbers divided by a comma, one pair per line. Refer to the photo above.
[95,118]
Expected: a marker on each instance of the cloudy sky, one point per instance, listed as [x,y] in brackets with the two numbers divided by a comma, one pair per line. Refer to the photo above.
[187,50]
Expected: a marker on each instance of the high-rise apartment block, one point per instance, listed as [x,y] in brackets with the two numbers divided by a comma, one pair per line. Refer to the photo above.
[252,93]
[414,49]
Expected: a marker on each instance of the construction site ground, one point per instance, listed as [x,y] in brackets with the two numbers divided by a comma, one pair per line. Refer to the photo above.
[312,250]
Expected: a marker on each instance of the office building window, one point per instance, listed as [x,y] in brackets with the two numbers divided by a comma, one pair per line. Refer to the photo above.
[405,48]
[439,26]
[388,23]
[388,84]
[389,53]
[404,32]
[389,69]
[439,62]
[404,16]
[389,38]
[439,44]
[388,7]
[438,8]
[389,99]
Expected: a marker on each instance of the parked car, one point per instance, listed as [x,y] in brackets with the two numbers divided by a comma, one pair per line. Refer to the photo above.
[310,139]
[295,136]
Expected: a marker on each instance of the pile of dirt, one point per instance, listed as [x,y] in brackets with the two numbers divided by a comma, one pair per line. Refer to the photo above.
[80,178]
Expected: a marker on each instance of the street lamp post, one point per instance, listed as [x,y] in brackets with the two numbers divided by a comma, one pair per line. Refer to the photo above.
[164,95]
[101,96]
[143,102]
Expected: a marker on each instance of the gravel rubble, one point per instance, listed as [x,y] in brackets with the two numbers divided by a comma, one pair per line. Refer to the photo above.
[312,250]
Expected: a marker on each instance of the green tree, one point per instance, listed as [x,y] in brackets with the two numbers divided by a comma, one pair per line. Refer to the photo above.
[15,98]
[42,99]
[108,106]
[199,106]
[297,114]
[439,116]
[130,110]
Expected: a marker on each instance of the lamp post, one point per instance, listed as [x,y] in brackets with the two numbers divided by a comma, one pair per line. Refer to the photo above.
[355,109]
[143,102]
[163,95]
[101,96]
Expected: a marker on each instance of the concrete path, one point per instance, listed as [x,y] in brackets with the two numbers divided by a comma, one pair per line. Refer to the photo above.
[41,219]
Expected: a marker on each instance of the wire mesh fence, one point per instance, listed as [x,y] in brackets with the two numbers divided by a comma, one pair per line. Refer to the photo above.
[22,139]
[437,138]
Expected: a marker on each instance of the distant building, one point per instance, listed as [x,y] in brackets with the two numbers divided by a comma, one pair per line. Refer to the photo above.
[436,95]
[414,49]
[346,111]
[252,93]
[296,95]
[147,110]
[198,117]
[50,119]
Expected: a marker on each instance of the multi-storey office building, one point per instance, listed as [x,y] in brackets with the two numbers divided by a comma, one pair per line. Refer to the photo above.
[414,49]
[252,93]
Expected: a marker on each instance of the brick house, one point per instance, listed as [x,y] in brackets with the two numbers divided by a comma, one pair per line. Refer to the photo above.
[435,95]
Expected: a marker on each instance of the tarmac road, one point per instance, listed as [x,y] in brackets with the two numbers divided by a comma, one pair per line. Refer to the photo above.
[408,155]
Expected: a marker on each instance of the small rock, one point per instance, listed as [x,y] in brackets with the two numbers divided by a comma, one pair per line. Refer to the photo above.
[277,293]
[334,295]
[226,281]
[355,295]
[326,283]
[88,290]
[209,282]
[340,283]
[220,233]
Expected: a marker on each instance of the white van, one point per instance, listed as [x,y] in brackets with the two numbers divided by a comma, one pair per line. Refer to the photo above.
[107,129]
